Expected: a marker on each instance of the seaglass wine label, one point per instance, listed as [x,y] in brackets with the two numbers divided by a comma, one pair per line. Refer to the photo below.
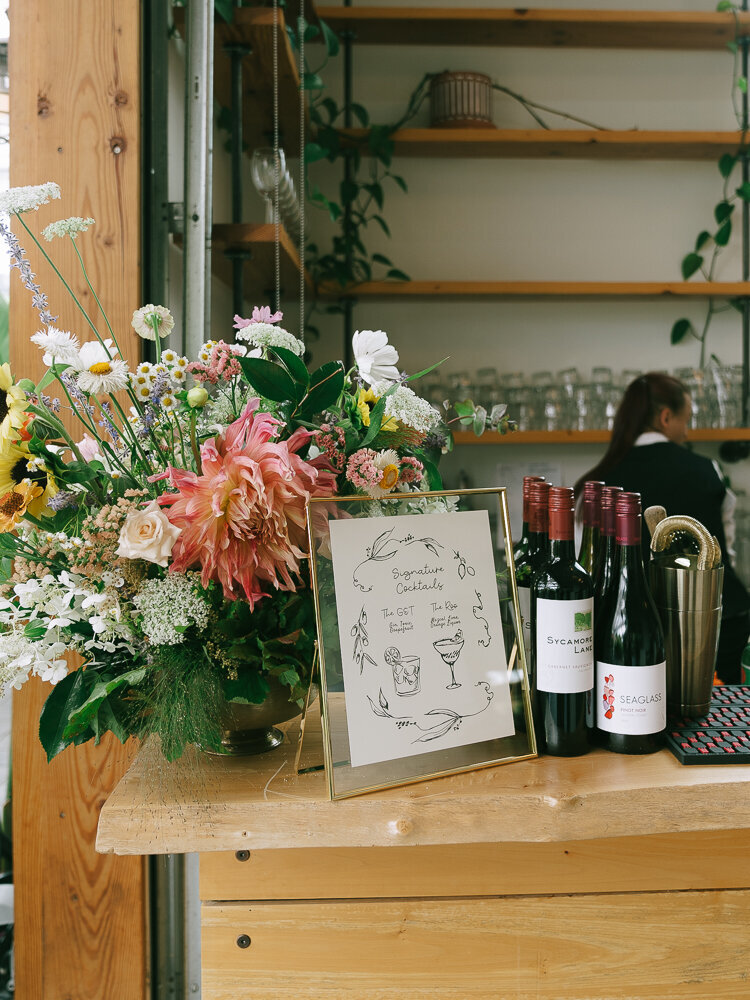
[631,700]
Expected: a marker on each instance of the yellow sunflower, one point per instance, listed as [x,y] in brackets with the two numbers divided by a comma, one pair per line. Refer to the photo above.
[13,505]
[17,464]
[12,404]
[366,399]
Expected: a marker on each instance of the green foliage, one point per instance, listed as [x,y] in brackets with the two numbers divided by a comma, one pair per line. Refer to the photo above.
[681,329]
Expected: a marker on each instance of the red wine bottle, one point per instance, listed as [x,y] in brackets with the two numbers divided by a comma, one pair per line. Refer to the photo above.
[521,548]
[534,558]
[607,546]
[563,609]
[631,680]
[592,493]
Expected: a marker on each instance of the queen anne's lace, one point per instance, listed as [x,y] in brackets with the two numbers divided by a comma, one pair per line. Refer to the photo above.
[405,406]
[67,227]
[27,199]
[170,606]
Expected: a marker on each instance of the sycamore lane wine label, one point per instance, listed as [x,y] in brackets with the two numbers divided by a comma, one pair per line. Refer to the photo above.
[565,645]
[631,701]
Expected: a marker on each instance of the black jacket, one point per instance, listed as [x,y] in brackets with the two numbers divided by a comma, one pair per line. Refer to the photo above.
[683,483]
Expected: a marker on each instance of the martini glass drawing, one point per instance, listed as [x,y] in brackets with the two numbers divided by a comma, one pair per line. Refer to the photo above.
[449,650]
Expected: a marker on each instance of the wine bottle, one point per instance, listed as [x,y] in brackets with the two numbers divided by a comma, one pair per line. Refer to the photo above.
[521,548]
[563,610]
[607,545]
[530,562]
[631,677]
[592,492]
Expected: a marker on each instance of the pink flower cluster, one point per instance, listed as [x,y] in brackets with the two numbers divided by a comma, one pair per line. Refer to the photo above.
[331,441]
[361,470]
[243,519]
[222,364]
[411,470]
[259,315]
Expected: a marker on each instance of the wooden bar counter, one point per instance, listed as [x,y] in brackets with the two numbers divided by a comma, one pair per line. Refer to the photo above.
[597,878]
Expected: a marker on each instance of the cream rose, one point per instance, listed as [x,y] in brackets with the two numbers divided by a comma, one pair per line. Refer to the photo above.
[148,534]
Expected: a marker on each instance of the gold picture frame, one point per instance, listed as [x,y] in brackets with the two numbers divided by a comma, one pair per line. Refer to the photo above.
[376,732]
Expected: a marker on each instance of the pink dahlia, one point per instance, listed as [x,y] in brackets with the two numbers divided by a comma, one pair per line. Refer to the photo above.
[242,520]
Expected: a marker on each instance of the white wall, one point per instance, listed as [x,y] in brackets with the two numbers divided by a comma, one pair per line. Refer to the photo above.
[488,219]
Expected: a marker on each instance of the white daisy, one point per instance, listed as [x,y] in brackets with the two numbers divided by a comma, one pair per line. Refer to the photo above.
[374,356]
[387,463]
[169,357]
[59,346]
[205,352]
[142,392]
[144,368]
[144,318]
[104,377]
[168,402]
[181,362]
[177,375]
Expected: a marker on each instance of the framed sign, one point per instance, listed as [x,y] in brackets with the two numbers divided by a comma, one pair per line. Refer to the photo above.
[422,667]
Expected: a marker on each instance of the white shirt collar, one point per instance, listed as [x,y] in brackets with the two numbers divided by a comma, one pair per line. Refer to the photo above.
[650,437]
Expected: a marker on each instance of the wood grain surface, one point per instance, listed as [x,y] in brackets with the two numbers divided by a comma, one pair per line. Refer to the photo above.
[709,860]
[75,109]
[204,803]
[656,946]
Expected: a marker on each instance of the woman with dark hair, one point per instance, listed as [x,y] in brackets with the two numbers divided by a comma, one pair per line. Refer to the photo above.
[645,455]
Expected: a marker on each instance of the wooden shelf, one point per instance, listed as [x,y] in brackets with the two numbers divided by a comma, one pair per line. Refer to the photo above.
[565,28]
[589,437]
[538,289]
[253,27]
[257,239]
[561,143]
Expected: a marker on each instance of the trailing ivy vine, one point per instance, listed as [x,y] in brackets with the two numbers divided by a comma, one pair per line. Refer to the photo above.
[710,243]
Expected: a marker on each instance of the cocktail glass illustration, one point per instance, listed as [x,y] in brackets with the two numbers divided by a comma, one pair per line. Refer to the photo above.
[450,650]
[405,672]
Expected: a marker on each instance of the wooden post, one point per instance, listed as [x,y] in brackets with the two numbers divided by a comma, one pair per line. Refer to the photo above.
[75,110]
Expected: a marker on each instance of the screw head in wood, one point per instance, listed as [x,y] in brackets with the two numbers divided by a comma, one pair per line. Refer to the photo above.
[243,941]
[242,855]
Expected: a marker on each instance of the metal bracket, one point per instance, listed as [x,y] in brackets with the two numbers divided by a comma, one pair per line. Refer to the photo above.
[176,217]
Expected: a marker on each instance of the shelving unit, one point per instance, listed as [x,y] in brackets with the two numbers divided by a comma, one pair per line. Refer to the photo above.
[540,289]
[568,144]
[575,28]
[252,28]
[588,437]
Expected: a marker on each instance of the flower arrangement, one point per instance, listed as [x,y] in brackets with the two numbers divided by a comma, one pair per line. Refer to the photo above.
[165,541]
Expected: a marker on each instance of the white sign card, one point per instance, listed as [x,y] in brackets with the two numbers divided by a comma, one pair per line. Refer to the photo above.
[423,657]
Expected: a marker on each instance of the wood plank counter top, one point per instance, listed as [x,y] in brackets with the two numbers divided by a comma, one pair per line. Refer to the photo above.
[203,803]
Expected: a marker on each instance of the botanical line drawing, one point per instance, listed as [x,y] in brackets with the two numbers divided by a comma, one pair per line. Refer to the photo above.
[405,669]
[451,720]
[385,547]
[450,650]
[464,568]
[480,618]
[361,639]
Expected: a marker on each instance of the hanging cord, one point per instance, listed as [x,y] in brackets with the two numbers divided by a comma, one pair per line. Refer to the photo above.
[276,220]
[302,177]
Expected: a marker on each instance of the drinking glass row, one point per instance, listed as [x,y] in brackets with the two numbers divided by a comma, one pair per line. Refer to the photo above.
[569,400]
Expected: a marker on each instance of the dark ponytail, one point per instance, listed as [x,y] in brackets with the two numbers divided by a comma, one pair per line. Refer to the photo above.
[639,410]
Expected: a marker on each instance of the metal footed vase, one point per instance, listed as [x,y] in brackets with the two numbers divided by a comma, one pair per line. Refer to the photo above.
[251,729]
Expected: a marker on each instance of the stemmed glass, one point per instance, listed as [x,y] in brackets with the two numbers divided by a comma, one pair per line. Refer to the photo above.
[449,650]
[266,167]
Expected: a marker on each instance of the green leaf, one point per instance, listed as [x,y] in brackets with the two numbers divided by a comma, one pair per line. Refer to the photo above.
[382,223]
[724,5]
[434,479]
[733,47]
[269,379]
[681,329]
[378,258]
[311,81]
[376,190]
[311,32]
[224,7]
[67,697]
[726,164]
[464,408]
[84,716]
[723,210]
[724,232]
[702,239]
[348,191]
[399,275]
[742,84]
[361,113]
[744,191]
[400,181]
[314,151]
[326,385]
[330,38]
[250,688]
[691,264]
[293,364]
